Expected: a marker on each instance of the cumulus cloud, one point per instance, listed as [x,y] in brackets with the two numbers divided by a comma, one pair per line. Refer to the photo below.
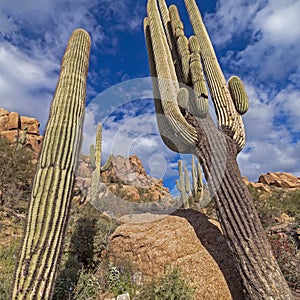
[33,37]
[260,42]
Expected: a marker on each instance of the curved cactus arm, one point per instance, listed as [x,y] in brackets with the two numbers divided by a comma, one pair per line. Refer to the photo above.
[238,94]
[228,118]
[176,133]
[54,179]
[108,163]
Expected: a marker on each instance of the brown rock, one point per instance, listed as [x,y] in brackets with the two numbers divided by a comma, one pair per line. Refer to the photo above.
[280,179]
[11,135]
[31,124]
[3,112]
[4,122]
[131,193]
[187,240]
[130,172]
[284,218]
[34,142]
[14,121]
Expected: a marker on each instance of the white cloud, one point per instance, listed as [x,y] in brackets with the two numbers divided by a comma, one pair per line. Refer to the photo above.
[231,18]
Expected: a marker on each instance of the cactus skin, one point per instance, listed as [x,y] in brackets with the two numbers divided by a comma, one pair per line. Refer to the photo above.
[92,157]
[51,195]
[216,148]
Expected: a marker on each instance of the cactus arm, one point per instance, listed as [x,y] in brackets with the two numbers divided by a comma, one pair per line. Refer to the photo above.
[199,103]
[177,134]
[107,164]
[229,119]
[54,179]
[181,43]
[238,94]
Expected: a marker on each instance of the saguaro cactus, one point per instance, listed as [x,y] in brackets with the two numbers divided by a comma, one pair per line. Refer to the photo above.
[186,127]
[198,189]
[183,184]
[95,158]
[53,183]
[190,193]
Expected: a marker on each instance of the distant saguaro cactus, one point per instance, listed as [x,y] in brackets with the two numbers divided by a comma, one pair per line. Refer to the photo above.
[183,184]
[197,188]
[190,193]
[179,68]
[95,158]
[51,195]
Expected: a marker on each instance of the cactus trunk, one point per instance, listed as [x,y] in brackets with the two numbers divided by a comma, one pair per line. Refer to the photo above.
[50,199]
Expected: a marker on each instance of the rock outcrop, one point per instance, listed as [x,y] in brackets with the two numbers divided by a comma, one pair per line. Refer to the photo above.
[136,184]
[280,179]
[186,239]
[21,129]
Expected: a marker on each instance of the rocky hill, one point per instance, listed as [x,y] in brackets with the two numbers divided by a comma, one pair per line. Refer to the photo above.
[21,129]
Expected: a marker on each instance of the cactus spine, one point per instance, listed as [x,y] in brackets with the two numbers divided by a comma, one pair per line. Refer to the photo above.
[186,127]
[53,183]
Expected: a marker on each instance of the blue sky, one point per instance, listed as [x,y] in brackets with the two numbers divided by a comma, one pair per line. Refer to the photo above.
[257,40]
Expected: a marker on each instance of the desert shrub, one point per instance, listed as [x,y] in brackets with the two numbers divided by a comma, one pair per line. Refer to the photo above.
[87,236]
[116,276]
[284,250]
[8,256]
[87,287]
[16,176]
[170,286]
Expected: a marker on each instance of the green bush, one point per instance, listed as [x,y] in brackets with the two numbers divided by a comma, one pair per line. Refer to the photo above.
[87,236]
[16,176]
[171,286]
[7,265]
[87,287]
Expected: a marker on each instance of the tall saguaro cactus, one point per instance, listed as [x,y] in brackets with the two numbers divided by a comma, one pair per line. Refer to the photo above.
[179,68]
[50,199]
